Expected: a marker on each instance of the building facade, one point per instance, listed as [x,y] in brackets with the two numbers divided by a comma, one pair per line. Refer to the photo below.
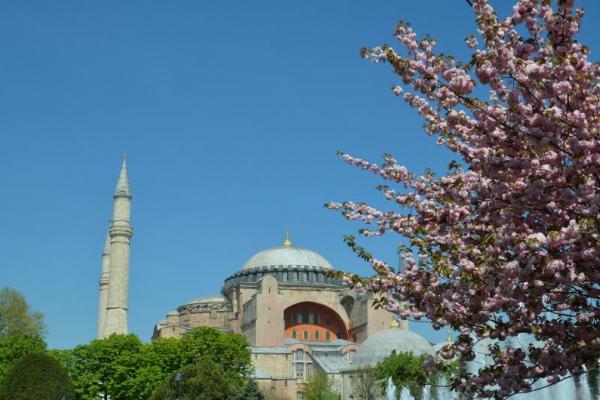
[287,301]
[297,316]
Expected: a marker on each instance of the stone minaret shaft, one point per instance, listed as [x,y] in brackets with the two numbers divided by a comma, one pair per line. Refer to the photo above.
[104,279]
[120,236]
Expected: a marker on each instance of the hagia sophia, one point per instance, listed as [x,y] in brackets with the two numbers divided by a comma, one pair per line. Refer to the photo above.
[296,317]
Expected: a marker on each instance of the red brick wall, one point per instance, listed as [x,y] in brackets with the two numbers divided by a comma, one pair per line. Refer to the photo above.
[323,323]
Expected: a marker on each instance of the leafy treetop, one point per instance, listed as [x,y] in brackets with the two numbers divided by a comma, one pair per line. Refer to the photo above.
[16,316]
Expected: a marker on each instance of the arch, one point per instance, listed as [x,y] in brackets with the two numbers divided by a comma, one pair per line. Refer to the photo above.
[348,303]
[313,321]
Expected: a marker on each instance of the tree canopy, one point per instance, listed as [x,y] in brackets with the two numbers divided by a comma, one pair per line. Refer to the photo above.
[318,386]
[122,367]
[365,384]
[16,316]
[206,380]
[507,242]
[36,376]
[12,348]
[229,350]
[251,392]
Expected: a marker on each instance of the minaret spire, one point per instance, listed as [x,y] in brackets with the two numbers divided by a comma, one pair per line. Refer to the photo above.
[104,280]
[120,236]
[123,182]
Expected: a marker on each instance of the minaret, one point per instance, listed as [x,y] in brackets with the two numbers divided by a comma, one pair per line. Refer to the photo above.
[120,236]
[104,278]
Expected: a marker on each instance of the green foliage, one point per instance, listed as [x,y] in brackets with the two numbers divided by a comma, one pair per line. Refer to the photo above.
[16,316]
[408,371]
[123,368]
[319,387]
[105,368]
[37,376]
[365,384]
[204,381]
[157,360]
[229,350]
[251,392]
[12,348]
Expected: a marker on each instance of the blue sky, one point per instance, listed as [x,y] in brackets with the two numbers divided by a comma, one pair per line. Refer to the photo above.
[231,113]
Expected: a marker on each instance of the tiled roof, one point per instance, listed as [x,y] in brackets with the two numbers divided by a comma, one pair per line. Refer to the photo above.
[331,363]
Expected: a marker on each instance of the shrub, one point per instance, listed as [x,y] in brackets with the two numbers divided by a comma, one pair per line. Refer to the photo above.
[12,348]
[203,381]
[36,376]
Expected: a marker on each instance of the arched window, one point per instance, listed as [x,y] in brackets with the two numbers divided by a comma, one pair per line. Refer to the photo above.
[294,334]
[305,335]
[305,319]
[317,335]
[302,364]
[327,336]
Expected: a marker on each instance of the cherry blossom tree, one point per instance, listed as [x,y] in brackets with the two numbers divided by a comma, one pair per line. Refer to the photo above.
[507,241]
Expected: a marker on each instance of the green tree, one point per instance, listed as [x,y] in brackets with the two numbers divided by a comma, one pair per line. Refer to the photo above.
[156,361]
[122,367]
[406,371]
[251,392]
[412,372]
[206,380]
[12,348]
[229,350]
[16,316]
[365,384]
[319,387]
[104,368]
[36,376]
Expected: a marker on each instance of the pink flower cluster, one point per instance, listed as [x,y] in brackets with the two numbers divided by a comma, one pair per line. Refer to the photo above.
[510,244]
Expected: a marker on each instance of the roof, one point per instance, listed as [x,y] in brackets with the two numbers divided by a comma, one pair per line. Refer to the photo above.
[383,343]
[270,350]
[123,188]
[214,298]
[287,256]
[331,363]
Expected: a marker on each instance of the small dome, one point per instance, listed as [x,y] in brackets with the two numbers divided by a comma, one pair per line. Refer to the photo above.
[215,298]
[383,343]
[287,255]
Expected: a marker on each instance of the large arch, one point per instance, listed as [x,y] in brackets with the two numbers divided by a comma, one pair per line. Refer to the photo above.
[313,321]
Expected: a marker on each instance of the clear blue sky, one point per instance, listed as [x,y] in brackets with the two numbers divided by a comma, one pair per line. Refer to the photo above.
[231,113]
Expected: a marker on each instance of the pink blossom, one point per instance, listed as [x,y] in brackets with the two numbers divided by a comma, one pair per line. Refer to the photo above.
[507,243]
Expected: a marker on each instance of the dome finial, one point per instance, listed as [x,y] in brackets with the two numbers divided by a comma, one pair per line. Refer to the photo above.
[286,242]
[449,338]
[394,323]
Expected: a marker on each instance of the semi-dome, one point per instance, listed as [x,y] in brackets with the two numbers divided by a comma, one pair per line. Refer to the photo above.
[287,255]
[383,343]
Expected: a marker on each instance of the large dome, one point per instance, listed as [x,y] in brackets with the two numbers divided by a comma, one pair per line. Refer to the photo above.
[287,255]
[383,343]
